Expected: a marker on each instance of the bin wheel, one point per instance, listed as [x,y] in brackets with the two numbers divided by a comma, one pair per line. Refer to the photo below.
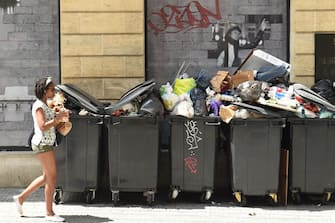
[296,197]
[90,196]
[240,198]
[205,196]
[115,197]
[326,197]
[150,197]
[273,199]
[173,194]
[58,196]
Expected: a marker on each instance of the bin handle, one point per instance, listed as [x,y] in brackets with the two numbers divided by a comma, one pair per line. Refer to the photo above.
[272,123]
[278,124]
[100,122]
[100,117]
[212,123]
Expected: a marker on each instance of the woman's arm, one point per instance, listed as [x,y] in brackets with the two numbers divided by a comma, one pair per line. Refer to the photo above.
[45,125]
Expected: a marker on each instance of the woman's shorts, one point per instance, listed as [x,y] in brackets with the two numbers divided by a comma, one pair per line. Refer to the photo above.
[41,148]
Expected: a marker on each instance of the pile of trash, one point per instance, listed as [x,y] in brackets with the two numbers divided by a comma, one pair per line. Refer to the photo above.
[264,92]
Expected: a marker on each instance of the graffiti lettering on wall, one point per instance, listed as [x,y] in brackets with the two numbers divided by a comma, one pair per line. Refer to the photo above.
[174,19]
[192,139]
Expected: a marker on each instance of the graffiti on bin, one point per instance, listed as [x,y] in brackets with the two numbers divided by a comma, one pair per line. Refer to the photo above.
[192,136]
[191,163]
[174,19]
[192,139]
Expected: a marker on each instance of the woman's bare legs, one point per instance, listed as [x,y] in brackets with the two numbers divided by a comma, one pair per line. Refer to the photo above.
[34,185]
[48,162]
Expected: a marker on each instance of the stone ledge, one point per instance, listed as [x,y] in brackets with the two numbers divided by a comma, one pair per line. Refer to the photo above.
[18,169]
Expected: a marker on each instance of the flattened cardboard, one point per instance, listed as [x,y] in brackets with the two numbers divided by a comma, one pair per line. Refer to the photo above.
[258,58]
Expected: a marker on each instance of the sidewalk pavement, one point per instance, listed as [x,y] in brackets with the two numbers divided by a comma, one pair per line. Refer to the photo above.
[181,211]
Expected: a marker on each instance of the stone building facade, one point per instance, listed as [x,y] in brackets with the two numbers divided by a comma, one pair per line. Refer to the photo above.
[307,19]
[102,45]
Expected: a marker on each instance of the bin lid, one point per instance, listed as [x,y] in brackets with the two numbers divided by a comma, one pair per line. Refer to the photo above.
[312,96]
[91,104]
[132,94]
[81,98]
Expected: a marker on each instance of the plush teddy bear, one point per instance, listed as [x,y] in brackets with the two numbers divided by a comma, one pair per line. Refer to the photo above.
[57,105]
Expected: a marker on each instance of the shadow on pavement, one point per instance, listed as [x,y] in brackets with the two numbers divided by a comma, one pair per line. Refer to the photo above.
[86,219]
[37,217]
[78,218]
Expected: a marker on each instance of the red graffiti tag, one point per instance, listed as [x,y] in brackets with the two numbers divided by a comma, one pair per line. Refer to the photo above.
[191,163]
[173,19]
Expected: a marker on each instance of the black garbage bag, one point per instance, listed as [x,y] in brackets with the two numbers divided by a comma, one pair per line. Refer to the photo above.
[151,105]
[326,89]
[198,97]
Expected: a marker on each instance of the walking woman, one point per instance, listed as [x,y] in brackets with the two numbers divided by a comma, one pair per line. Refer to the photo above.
[42,143]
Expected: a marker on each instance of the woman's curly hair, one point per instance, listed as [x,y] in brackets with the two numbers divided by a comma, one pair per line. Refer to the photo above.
[41,86]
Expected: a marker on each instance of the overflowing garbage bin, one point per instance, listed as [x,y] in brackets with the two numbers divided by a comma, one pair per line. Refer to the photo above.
[77,156]
[255,151]
[193,146]
[133,143]
[312,158]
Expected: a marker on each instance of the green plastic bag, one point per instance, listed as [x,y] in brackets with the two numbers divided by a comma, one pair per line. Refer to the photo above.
[183,86]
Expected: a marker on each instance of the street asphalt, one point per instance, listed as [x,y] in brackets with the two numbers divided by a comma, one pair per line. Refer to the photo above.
[185,209]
